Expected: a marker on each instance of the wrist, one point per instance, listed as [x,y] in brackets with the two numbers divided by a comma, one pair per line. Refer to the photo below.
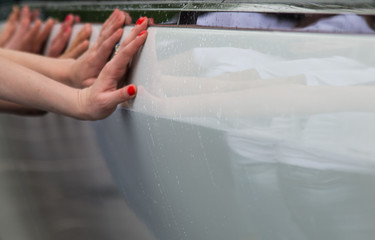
[70,71]
[81,109]
[83,106]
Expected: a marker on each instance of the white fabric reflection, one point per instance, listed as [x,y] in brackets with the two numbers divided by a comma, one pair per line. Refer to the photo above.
[300,131]
[335,70]
[307,177]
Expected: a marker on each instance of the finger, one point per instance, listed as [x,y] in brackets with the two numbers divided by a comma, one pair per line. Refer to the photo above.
[25,19]
[35,14]
[128,19]
[106,48]
[128,51]
[60,43]
[35,28]
[68,22]
[116,68]
[9,27]
[77,19]
[83,34]
[116,21]
[46,30]
[110,18]
[151,22]
[42,36]
[77,51]
[142,24]
[31,36]
[123,94]
[14,16]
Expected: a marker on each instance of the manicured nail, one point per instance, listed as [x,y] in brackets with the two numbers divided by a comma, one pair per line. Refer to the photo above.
[140,20]
[131,90]
[68,17]
[143,32]
[152,21]
[67,29]
[77,19]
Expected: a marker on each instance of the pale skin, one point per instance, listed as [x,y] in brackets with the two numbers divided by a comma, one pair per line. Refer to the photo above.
[95,102]
[82,71]
[59,43]
[91,69]
[80,43]
[28,35]
[23,31]
[9,26]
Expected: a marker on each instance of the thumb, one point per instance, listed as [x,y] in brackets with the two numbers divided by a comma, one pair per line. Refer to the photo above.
[123,94]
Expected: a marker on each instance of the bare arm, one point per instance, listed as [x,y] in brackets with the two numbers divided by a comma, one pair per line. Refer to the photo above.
[57,69]
[26,87]
[14,108]
[83,71]
[21,85]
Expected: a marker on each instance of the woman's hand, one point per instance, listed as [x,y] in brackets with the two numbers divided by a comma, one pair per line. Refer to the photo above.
[41,38]
[87,67]
[59,43]
[26,36]
[80,43]
[24,33]
[10,26]
[102,98]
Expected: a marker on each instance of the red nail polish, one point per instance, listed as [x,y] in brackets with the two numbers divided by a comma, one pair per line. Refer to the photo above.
[131,90]
[68,17]
[152,21]
[140,20]
[143,32]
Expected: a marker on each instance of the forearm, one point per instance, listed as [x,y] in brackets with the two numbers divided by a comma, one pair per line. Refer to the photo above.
[14,108]
[57,69]
[26,87]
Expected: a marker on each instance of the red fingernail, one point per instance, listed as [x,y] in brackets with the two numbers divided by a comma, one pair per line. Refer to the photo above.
[140,20]
[152,21]
[67,29]
[68,17]
[143,32]
[131,90]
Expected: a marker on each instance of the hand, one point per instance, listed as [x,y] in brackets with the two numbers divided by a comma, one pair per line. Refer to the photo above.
[102,98]
[41,38]
[80,43]
[89,65]
[59,43]
[24,35]
[9,26]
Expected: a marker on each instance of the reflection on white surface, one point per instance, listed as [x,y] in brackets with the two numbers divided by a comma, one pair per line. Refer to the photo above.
[298,125]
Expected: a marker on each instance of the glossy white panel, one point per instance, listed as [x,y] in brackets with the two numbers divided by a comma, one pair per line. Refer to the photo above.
[248,135]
